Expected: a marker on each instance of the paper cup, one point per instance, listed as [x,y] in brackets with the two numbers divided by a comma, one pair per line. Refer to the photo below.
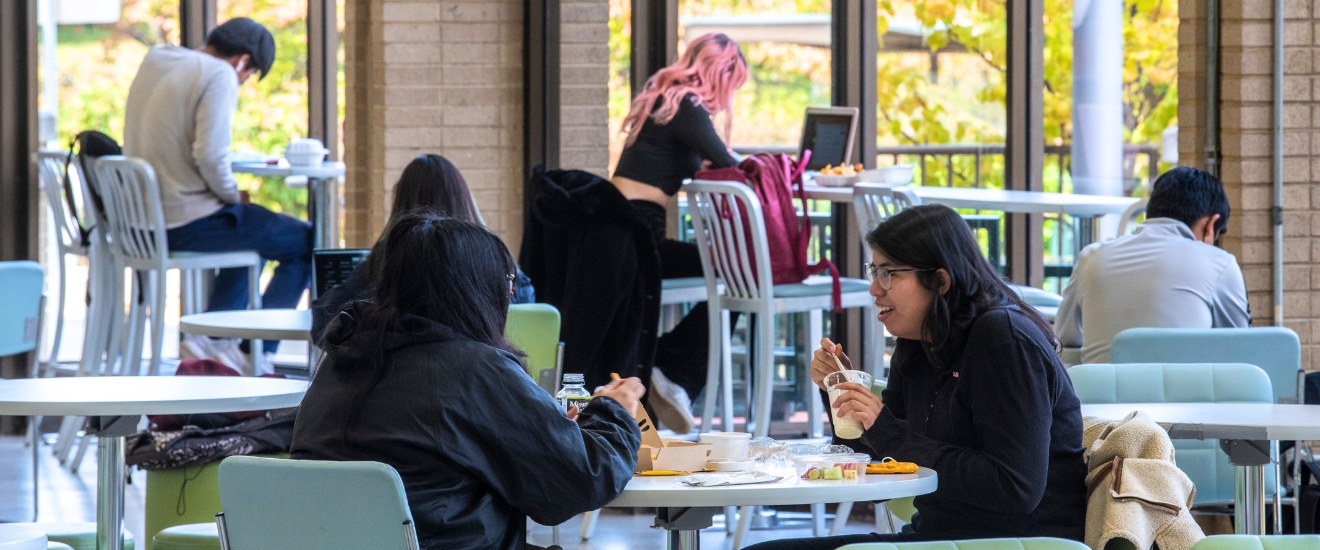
[845,428]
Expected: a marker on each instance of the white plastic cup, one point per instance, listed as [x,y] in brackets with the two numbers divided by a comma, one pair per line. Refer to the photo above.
[728,445]
[845,428]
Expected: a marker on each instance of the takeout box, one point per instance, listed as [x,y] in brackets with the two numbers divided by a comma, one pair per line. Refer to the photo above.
[667,454]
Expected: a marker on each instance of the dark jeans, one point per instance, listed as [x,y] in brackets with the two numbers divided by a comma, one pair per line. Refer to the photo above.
[276,237]
[831,543]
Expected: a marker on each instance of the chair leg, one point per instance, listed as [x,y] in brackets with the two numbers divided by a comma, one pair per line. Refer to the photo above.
[841,518]
[589,524]
[157,288]
[765,364]
[254,302]
[744,522]
[714,368]
[815,423]
[818,520]
[82,452]
[726,372]
[134,332]
[34,426]
[888,516]
[59,311]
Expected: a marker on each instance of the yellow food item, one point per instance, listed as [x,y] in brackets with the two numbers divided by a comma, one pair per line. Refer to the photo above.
[662,473]
[891,466]
[832,170]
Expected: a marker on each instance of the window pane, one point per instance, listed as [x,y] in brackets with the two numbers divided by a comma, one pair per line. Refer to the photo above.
[273,110]
[620,74]
[787,45]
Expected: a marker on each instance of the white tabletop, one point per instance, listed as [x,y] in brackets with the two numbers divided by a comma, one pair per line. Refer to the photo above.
[258,324]
[284,169]
[21,537]
[1257,421]
[1029,202]
[666,491]
[134,395]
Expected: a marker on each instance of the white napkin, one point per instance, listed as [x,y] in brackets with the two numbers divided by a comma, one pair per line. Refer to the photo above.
[740,478]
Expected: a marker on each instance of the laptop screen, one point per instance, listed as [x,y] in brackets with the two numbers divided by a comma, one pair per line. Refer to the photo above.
[829,137]
[331,266]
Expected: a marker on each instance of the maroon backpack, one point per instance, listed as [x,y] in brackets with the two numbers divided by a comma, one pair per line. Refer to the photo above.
[776,179]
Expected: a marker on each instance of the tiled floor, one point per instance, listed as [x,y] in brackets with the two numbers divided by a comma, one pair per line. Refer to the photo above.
[72,497]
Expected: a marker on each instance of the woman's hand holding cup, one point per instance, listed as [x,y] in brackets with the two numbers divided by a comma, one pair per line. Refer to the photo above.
[824,362]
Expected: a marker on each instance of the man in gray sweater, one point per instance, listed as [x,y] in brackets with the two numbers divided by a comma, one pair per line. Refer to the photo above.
[179,118]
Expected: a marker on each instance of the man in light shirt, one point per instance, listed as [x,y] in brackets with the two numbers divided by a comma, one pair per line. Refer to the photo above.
[1169,274]
[179,118]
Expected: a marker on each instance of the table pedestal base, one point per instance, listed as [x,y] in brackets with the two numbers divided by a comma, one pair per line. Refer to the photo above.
[110,432]
[683,526]
[1249,459]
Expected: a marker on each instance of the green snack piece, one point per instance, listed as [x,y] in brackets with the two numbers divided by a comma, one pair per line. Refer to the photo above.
[834,473]
[813,473]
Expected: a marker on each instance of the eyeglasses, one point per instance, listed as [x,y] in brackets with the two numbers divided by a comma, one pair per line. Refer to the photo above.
[885,276]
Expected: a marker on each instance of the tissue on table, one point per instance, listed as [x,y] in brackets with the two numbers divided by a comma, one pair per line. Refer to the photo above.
[740,478]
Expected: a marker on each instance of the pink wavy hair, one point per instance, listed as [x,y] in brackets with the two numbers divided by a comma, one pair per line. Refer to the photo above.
[713,68]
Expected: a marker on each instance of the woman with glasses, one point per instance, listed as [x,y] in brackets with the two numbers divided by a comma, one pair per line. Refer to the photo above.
[976,392]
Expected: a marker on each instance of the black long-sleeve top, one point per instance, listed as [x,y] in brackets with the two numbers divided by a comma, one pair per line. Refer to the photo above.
[664,155]
[479,446]
[1003,430]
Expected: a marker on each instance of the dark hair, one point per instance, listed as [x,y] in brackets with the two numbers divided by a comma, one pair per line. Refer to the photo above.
[934,236]
[1187,194]
[433,184]
[241,35]
[449,271]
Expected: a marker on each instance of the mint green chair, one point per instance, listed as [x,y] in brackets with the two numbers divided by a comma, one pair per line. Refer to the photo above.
[51,545]
[313,505]
[20,332]
[1259,542]
[901,508]
[1276,350]
[978,544]
[1202,461]
[534,329]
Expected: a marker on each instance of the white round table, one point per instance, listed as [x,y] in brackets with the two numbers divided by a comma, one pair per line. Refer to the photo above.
[322,194]
[21,537]
[684,511]
[250,324]
[115,404]
[1240,427]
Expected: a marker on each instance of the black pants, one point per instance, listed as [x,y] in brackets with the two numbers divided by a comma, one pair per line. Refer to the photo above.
[831,543]
[681,353]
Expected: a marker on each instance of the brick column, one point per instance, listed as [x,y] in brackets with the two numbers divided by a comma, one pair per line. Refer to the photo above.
[445,77]
[1246,140]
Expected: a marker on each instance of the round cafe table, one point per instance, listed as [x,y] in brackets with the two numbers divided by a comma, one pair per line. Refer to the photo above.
[115,404]
[250,324]
[684,511]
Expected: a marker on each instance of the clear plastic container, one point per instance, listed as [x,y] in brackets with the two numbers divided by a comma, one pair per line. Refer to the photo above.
[844,467]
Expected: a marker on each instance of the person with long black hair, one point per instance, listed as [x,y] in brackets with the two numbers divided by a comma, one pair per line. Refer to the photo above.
[976,392]
[429,182]
[419,376]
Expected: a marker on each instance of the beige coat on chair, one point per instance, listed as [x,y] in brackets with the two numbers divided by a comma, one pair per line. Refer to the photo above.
[1135,489]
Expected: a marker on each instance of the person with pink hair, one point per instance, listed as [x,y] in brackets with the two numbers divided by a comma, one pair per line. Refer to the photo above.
[671,135]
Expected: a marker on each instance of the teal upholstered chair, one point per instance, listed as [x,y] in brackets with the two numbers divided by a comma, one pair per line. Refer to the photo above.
[981,544]
[313,505]
[20,332]
[1202,461]
[1259,542]
[1276,350]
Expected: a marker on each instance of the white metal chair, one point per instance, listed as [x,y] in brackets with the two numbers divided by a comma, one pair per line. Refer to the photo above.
[67,236]
[138,241]
[873,203]
[1128,222]
[730,235]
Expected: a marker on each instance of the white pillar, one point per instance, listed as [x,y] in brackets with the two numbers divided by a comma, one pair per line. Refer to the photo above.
[1097,140]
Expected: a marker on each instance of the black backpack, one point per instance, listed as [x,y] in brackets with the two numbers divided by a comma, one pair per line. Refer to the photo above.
[90,144]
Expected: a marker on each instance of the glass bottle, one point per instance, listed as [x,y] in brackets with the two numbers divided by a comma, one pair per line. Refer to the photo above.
[574,392]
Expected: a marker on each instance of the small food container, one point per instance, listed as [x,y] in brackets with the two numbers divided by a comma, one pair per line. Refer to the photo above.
[841,467]
[834,181]
[305,152]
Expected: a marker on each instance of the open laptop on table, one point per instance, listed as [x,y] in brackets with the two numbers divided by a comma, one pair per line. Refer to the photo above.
[331,267]
[829,133]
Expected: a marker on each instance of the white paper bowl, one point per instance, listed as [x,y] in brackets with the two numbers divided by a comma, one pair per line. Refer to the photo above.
[834,181]
[899,174]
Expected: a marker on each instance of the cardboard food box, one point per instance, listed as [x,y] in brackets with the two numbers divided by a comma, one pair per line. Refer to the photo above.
[667,454]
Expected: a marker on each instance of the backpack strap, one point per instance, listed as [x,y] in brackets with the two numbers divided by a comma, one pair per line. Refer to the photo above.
[84,233]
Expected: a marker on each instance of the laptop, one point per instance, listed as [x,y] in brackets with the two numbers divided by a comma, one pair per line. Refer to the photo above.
[331,266]
[828,132]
